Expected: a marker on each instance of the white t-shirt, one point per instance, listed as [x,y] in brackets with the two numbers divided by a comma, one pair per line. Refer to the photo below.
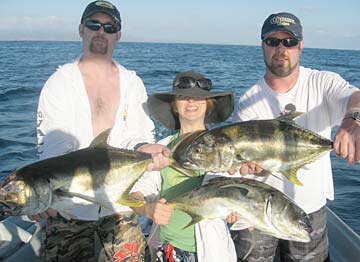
[64,120]
[213,240]
[323,97]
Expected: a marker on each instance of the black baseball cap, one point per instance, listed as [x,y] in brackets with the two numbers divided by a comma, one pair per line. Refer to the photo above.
[102,7]
[282,22]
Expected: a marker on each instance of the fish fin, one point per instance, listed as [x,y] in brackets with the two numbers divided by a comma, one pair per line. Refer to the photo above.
[245,190]
[127,200]
[186,172]
[291,175]
[173,205]
[289,117]
[67,214]
[101,139]
[194,219]
[255,236]
[62,193]
[240,225]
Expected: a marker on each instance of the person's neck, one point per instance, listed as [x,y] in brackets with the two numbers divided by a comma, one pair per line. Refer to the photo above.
[191,128]
[282,84]
[96,63]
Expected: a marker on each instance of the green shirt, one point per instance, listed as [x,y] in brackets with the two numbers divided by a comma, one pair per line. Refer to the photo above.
[175,184]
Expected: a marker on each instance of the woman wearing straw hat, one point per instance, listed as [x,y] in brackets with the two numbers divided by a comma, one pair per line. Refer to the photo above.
[187,108]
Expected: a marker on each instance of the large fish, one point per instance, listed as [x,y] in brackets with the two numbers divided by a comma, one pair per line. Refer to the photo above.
[259,205]
[98,174]
[277,145]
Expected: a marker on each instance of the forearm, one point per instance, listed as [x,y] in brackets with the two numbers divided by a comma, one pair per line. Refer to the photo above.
[354,103]
[157,211]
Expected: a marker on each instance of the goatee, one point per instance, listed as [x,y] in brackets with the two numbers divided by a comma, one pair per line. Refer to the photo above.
[283,70]
[99,45]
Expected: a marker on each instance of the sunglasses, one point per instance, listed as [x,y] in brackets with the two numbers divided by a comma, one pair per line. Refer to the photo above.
[287,42]
[95,25]
[186,82]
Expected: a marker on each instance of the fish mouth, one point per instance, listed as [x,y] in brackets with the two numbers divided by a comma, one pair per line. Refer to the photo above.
[305,224]
[189,165]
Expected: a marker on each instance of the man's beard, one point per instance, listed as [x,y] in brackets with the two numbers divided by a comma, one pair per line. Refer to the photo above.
[283,70]
[99,45]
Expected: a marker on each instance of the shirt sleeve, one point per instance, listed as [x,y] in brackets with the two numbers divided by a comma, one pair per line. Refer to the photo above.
[338,92]
[53,136]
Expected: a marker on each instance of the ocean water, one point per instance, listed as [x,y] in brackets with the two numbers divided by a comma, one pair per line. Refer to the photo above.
[25,66]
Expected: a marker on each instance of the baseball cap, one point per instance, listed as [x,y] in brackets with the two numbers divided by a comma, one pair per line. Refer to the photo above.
[102,7]
[282,22]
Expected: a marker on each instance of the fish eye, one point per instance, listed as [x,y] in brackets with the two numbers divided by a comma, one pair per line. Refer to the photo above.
[198,150]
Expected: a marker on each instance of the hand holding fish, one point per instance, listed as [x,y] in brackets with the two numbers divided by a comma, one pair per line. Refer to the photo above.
[251,168]
[347,140]
[232,218]
[159,212]
[160,155]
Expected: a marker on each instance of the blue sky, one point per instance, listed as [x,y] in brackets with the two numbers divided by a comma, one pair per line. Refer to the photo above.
[327,24]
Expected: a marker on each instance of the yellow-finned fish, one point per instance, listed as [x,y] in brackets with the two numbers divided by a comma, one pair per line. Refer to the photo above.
[277,145]
[98,174]
[260,206]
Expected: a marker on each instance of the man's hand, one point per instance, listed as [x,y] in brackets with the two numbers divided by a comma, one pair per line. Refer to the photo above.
[347,140]
[251,168]
[232,218]
[160,155]
[159,212]
[48,213]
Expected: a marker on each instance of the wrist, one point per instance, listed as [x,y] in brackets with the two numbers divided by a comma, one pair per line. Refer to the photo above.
[355,115]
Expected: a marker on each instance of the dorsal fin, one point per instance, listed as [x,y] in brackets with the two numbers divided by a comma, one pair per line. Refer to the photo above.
[101,139]
[289,117]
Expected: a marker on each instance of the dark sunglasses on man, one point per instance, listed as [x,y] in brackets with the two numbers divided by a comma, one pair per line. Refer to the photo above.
[95,25]
[189,82]
[287,42]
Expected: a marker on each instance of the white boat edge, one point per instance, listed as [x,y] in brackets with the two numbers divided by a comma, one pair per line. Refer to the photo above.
[344,242]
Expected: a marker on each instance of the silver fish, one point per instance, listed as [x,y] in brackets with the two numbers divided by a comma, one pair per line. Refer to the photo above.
[98,174]
[259,205]
[277,145]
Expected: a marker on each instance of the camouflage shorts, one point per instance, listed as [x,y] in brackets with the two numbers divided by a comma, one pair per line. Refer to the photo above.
[168,253]
[266,247]
[74,240]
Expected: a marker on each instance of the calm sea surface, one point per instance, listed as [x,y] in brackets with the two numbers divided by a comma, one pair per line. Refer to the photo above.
[25,66]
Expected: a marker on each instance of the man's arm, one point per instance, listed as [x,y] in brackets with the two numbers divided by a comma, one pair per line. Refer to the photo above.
[347,138]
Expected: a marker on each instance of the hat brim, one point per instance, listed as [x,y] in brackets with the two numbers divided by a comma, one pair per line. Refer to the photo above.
[159,105]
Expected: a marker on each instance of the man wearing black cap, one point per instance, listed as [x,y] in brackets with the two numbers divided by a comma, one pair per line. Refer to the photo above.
[326,100]
[78,102]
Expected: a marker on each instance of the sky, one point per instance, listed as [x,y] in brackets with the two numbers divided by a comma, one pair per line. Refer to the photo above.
[326,24]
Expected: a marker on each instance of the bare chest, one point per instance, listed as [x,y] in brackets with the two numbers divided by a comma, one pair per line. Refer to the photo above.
[104,99]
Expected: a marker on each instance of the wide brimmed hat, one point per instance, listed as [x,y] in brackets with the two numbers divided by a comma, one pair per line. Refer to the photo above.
[190,84]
